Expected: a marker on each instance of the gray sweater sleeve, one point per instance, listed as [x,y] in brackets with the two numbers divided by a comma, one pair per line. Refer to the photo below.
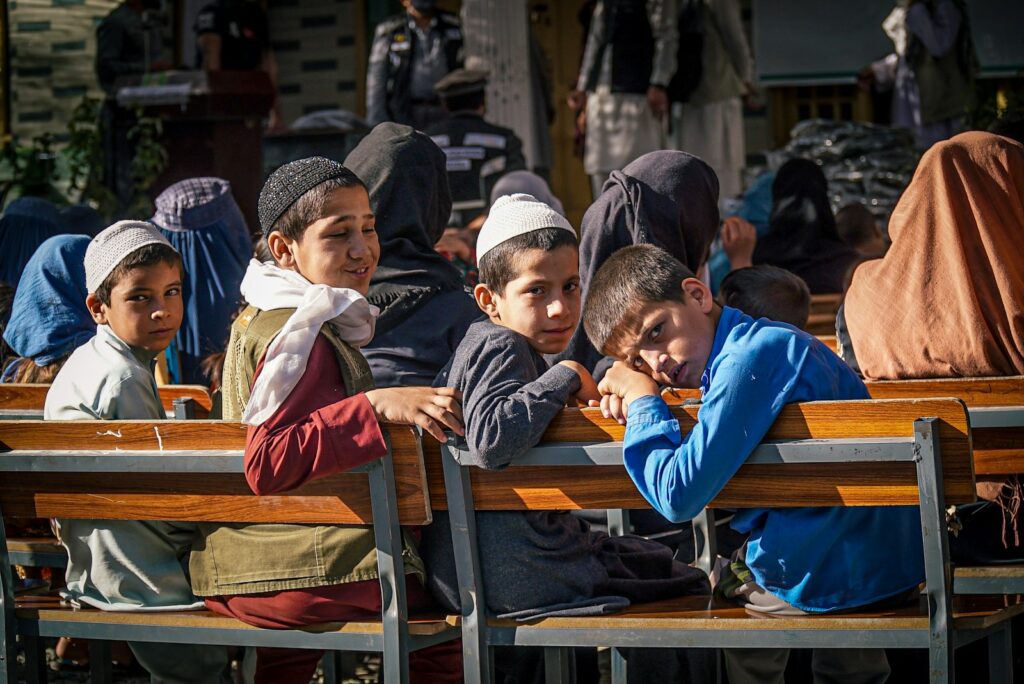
[506,407]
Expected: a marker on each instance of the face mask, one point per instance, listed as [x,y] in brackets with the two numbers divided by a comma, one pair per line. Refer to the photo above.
[423,5]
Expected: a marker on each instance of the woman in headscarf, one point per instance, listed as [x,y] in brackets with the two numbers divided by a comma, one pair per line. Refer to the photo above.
[81,219]
[665,198]
[26,223]
[201,220]
[947,300]
[424,309]
[802,236]
[49,319]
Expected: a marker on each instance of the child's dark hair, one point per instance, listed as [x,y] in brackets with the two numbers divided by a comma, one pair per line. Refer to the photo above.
[465,102]
[630,279]
[309,208]
[147,255]
[499,266]
[767,292]
[856,224]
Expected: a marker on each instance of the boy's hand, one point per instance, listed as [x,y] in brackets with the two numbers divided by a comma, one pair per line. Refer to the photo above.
[620,387]
[588,388]
[432,408]
[739,237]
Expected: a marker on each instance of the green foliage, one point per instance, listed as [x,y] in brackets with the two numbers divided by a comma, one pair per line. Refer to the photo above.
[83,156]
[149,161]
[994,99]
[29,171]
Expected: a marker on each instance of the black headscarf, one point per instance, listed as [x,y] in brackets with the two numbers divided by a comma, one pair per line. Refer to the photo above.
[665,198]
[407,177]
[802,235]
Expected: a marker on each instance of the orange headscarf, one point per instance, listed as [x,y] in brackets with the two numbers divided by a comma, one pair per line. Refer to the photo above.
[948,298]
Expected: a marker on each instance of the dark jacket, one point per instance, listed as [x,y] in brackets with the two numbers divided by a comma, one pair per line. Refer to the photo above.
[390,68]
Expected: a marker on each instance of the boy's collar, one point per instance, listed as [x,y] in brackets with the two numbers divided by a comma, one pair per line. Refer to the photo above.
[726,321]
[143,356]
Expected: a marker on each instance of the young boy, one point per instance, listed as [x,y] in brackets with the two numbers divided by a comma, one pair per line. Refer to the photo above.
[650,312]
[543,562]
[133,277]
[765,291]
[294,374]
[859,229]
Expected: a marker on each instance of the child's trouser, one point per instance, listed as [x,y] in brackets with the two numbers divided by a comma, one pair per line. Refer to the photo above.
[335,603]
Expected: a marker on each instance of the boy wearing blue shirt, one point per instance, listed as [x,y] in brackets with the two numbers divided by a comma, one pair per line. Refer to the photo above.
[650,312]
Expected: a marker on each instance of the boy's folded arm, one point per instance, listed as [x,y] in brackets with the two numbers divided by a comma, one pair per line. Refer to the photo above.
[680,475]
[317,431]
[506,414]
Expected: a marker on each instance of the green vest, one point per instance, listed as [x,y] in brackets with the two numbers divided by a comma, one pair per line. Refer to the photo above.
[946,84]
[247,558]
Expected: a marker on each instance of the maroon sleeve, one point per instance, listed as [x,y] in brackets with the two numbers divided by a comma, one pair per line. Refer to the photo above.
[319,430]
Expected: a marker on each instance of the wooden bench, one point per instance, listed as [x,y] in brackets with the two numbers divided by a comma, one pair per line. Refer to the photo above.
[26,401]
[864,453]
[193,471]
[826,304]
[996,410]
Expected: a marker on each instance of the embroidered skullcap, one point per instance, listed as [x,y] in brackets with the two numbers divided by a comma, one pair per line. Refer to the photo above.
[514,215]
[194,203]
[290,182]
[112,245]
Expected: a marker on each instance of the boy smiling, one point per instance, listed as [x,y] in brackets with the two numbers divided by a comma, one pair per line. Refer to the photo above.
[660,321]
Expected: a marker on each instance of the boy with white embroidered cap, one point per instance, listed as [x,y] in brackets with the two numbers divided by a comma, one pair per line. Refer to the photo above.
[293,372]
[545,562]
[133,277]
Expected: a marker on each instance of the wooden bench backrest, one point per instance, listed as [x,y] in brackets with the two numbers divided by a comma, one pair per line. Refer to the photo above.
[826,304]
[821,324]
[33,397]
[997,451]
[342,499]
[754,485]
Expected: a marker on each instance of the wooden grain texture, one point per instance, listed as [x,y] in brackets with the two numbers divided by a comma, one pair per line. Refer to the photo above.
[32,397]
[705,613]
[990,571]
[997,451]
[830,341]
[821,324]
[50,608]
[826,304]
[342,499]
[763,485]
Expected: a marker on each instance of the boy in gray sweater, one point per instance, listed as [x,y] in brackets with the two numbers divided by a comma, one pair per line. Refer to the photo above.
[535,563]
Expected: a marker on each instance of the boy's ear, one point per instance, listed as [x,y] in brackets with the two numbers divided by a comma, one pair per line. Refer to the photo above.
[281,249]
[97,309]
[701,293]
[485,300]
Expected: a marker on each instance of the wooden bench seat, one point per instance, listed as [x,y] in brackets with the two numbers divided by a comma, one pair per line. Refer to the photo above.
[36,552]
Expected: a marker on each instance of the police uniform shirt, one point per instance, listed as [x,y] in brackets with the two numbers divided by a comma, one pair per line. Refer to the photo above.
[242,27]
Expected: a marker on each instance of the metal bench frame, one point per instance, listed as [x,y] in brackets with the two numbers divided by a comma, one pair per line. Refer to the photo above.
[940,639]
[394,641]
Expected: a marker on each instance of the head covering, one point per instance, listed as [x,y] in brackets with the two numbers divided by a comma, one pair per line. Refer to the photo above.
[49,318]
[407,177]
[200,218]
[288,183]
[515,215]
[26,223]
[529,183]
[947,300]
[461,82]
[665,198]
[81,219]
[112,245]
[802,235]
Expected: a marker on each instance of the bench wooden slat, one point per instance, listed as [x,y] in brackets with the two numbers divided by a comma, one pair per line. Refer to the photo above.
[33,396]
[821,324]
[816,484]
[342,499]
[826,304]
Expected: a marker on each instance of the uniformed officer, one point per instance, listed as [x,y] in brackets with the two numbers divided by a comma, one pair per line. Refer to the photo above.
[478,152]
[411,52]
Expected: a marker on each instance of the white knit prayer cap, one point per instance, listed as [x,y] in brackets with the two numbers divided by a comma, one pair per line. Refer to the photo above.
[514,215]
[113,244]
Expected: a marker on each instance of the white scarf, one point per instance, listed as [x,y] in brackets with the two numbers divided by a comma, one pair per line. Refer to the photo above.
[895,26]
[268,287]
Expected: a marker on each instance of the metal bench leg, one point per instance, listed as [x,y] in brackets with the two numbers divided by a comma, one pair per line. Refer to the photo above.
[556,665]
[35,659]
[1000,656]
[330,667]
[8,648]
[619,667]
[101,666]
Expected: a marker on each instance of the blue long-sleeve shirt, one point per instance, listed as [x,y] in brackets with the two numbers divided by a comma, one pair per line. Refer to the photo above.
[817,559]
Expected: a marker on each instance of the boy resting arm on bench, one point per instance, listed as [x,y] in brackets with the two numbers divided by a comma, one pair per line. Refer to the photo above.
[650,312]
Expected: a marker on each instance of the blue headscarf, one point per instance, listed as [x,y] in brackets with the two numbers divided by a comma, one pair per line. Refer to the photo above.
[48,316]
[81,219]
[26,223]
[202,221]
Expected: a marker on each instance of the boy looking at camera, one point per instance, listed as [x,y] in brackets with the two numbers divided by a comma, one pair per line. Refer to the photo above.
[661,323]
